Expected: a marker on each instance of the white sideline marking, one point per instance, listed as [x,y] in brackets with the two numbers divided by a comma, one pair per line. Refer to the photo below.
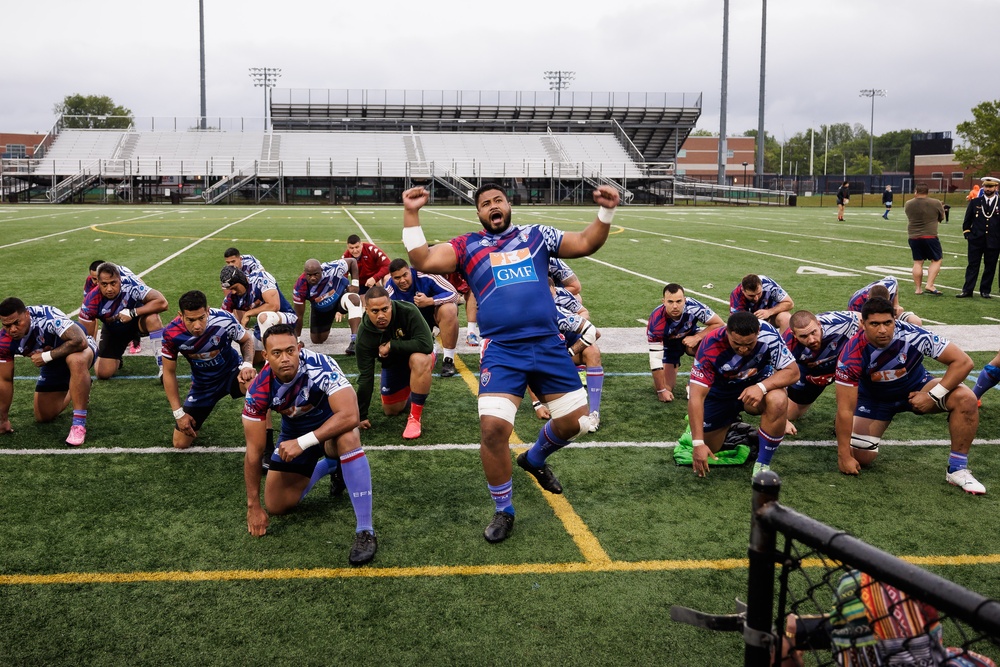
[363,230]
[184,249]
[655,280]
[444,447]
[68,231]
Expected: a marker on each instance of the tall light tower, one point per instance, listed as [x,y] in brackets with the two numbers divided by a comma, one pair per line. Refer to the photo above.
[872,93]
[559,81]
[266,78]
[201,38]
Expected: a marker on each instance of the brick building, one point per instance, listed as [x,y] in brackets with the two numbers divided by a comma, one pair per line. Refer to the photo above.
[699,159]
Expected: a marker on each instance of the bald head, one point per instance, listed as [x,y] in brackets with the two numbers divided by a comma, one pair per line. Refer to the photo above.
[313,271]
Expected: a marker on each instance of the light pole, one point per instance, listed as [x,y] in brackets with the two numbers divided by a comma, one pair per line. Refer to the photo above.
[558,81]
[265,77]
[872,93]
[745,163]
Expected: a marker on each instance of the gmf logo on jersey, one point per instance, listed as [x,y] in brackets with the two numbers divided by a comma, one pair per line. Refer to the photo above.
[512,267]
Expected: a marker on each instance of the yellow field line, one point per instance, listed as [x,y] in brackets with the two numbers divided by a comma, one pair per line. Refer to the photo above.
[67,578]
[585,540]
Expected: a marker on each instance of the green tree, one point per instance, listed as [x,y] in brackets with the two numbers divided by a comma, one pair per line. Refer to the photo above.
[983,136]
[704,133]
[93,111]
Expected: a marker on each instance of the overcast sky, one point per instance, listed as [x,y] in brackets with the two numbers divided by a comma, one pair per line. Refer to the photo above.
[934,58]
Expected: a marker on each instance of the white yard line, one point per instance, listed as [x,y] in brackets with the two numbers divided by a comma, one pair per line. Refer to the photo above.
[443,447]
[655,280]
[70,231]
[363,230]
[185,248]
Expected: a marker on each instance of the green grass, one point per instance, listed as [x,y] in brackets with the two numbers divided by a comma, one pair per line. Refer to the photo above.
[123,514]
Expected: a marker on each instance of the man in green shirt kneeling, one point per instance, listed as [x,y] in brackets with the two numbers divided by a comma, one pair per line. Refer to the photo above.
[396,334]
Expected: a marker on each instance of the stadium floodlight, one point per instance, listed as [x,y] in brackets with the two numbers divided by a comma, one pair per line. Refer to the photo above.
[558,81]
[266,78]
[872,93]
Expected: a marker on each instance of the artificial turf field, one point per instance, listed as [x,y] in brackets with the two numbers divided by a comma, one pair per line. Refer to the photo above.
[124,552]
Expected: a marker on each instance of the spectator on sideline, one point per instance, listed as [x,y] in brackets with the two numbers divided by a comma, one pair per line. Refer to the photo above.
[982,232]
[373,264]
[255,295]
[437,301]
[887,201]
[331,288]
[395,333]
[503,265]
[764,298]
[816,342]
[886,288]
[923,214]
[880,373]
[127,309]
[319,428]
[672,331]
[204,336]
[741,367]
[843,199]
[62,351]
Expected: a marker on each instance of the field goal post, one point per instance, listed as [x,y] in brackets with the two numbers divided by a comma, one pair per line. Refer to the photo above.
[968,620]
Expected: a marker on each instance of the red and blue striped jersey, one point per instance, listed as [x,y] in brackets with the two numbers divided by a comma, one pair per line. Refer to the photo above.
[509,275]
[211,354]
[719,367]
[304,399]
[260,282]
[770,296]
[838,327]
[48,324]
[859,298]
[97,307]
[896,367]
[661,328]
[324,295]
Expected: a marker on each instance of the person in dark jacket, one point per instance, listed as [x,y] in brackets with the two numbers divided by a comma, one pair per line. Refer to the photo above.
[887,200]
[982,232]
[843,199]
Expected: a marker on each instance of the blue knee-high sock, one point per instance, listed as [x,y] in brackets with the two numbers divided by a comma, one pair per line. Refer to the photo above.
[79,418]
[503,496]
[547,443]
[957,461]
[768,446]
[156,340]
[595,386]
[324,467]
[988,378]
[358,480]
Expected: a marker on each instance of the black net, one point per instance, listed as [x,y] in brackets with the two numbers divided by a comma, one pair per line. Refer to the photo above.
[830,613]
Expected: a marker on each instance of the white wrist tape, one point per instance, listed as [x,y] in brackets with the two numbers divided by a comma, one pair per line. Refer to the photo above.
[939,394]
[46,356]
[178,413]
[245,365]
[763,389]
[308,440]
[355,283]
[606,215]
[413,238]
[695,443]
[656,358]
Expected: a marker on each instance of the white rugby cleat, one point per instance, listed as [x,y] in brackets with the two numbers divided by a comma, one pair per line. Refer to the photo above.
[964,480]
